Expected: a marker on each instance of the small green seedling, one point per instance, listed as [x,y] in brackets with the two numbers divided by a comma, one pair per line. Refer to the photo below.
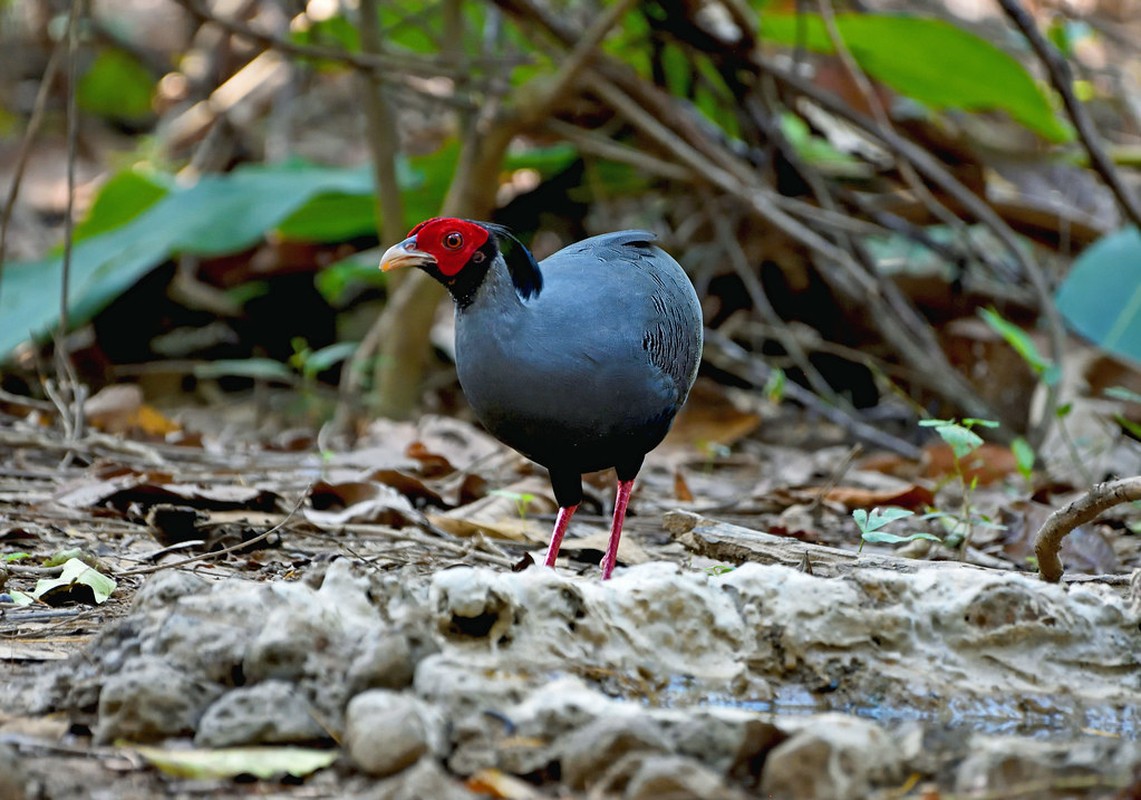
[963,441]
[870,525]
[522,500]
[1024,458]
[719,569]
[774,387]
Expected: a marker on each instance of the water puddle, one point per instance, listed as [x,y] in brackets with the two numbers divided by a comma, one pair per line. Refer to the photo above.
[1038,717]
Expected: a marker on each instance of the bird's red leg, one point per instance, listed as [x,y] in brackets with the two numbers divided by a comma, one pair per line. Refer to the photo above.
[620,503]
[561,522]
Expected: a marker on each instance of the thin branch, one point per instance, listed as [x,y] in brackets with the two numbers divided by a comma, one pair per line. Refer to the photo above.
[577,60]
[916,347]
[1062,80]
[34,122]
[402,71]
[752,369]
[1103,496]
[71,399]
[761,305]
[930,167]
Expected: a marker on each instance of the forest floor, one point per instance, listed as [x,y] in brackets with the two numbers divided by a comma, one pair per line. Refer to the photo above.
[374,620]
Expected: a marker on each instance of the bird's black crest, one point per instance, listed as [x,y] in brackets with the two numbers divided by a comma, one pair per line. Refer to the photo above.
[521,264]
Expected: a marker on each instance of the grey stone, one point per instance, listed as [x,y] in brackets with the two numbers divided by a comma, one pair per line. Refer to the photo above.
[386,732]
[728,741]
[1000,763]
[165,588]
[384,662]
[833,755]
[266,713]
[13,781]
[425,780]
[589,751]
[151,700]
[677,778]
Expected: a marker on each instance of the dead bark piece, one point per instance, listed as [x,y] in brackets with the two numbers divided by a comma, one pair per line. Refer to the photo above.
[1086,508]
[735,544]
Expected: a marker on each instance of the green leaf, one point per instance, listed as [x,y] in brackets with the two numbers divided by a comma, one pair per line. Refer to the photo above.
[818,151]
[75,574]
[21,599]
[1122,393]
[932,61]
[219,214]
[230,762]
[358,270]
[1023,345]
[1024,457]
[878,518]
[963,441]
[116,85]
[318,361]
[124,196]
[331,218]
[1101,296]
[976,422]
[883,537]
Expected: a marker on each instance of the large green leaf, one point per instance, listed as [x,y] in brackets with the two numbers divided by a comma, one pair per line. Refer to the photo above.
[116,85]
[218,214]
[930,60]
[123,197]
[1101,296]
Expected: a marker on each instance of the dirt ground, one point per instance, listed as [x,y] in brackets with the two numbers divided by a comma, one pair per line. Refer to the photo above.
[372,621]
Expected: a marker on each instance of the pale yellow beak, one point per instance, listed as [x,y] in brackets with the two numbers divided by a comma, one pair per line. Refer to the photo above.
[405,254]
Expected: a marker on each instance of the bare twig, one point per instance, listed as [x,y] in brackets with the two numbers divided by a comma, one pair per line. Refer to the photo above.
[762,306]
[398,71]
[25,151]
[750,368]
[70,400]
[261,537]
[1103,496]
[1062,80]
[383,139]
[934,171]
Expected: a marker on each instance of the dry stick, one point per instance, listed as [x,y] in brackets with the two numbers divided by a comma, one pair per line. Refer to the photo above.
[763,307]
[714,164]
[1103,496]
[225,550]
[938,174]
[71,400]
[918,349]
[756,372]
[381,132]
[364,61]
[1058,68]
[848,61]
[33,128]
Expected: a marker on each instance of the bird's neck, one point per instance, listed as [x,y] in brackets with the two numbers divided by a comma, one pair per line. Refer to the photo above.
[508,274]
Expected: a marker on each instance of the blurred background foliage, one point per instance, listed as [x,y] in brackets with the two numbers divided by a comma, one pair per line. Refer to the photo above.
[849,184]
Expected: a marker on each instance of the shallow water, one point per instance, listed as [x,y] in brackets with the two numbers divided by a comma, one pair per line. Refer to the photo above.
[1039,717]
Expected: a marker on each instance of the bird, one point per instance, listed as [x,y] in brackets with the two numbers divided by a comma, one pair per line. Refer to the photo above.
[579,362]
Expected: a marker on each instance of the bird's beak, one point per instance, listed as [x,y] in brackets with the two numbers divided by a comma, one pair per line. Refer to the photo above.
[405,254]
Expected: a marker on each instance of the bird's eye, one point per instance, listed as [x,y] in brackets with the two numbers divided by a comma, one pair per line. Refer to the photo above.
[454,240]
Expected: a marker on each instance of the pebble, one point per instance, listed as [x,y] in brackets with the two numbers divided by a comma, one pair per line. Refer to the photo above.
[592,749]
[386,732]
[272,712]
[833,755]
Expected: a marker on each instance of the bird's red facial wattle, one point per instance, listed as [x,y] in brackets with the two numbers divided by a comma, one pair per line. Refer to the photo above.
[444,243]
